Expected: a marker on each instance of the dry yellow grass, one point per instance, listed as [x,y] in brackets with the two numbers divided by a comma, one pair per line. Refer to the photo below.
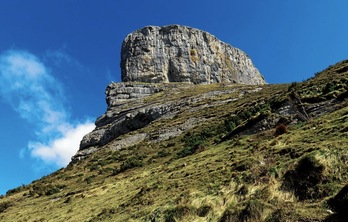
[241,177]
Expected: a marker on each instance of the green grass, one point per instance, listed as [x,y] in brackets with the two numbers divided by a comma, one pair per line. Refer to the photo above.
[208,173]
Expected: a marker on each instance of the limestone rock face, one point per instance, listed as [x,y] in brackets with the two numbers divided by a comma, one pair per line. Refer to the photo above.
[120,93]
[182,54]
[130,109]
[120,118]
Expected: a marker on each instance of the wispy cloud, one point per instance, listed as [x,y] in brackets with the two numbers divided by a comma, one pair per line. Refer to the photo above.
[60,150]
[28,85]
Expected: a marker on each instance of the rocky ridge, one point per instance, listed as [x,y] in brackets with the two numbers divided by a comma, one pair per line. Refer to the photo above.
[129,112]
[151,58]
[177,53]
[130,108]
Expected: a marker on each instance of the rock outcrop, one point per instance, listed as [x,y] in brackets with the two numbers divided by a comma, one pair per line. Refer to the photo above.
[121,117]
[153,57]
[182,54]
[130,109]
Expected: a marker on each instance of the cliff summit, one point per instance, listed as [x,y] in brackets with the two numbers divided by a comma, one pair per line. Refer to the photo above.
[177,53]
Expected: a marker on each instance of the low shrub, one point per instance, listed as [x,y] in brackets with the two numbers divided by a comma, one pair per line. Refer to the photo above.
[329,87]
[189,150]
[231,123]
[105,214]
[52,190]
[154,216]
[45,190]
[193,142]
[162,153]
[4,205]
[176,214]
[305,180]
[295,86]
[203,211]
[16,190]
[229,216]
[252,211]
[285,212]
[68,200]
[244,165]
[280,129]
[129,163]
[89,179]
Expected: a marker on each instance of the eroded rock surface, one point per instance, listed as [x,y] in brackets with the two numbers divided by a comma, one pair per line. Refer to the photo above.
[182,54]
[130,108]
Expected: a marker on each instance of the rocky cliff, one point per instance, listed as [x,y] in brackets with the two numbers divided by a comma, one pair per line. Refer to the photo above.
[156,56]
[131,107]
[182,54]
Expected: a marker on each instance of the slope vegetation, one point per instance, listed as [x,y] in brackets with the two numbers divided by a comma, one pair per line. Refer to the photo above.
[255,153]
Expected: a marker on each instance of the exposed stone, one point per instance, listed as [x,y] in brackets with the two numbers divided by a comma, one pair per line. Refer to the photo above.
[174,131]
[128,141]
[127,114]
[138,111]
[121,93]
[123,122]
[182,54]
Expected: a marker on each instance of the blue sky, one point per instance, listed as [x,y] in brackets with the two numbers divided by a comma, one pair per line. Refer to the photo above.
[57,57]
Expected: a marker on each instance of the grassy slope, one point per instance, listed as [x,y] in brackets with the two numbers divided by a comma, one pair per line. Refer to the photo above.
[246,178]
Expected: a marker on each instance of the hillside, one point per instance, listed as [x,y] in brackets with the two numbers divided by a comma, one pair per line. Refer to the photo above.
[255,153]
[177,53]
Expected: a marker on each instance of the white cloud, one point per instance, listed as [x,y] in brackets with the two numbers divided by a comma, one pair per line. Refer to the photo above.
[28,85]
[23,64]
[63,148]
[30,89]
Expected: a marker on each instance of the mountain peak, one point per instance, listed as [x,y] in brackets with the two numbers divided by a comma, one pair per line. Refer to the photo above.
[178,53]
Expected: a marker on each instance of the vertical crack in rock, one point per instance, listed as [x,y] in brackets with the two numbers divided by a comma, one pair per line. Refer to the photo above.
[182,54]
